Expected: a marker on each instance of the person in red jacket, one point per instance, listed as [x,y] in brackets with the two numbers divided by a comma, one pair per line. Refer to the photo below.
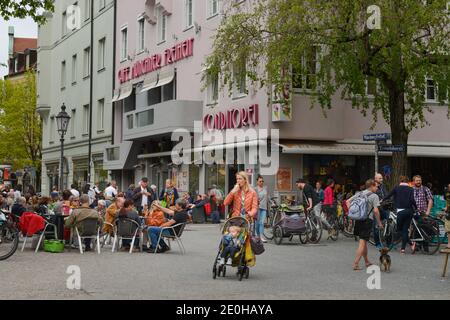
[329,193]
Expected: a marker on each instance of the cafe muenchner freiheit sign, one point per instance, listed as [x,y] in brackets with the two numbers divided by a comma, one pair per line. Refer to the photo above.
[155,62]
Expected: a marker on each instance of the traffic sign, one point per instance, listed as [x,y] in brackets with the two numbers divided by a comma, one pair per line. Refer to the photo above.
[391,148]
[377,137]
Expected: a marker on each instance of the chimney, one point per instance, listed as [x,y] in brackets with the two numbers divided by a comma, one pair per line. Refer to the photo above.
[11,41]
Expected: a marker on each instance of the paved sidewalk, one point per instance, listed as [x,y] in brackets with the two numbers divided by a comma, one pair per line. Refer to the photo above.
[289,271]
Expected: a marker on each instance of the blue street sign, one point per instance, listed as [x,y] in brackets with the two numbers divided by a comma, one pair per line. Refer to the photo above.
[391,148]
[376,136]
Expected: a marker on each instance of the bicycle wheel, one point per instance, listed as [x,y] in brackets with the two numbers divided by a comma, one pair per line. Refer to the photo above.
[268,225]
[278,235]
[431,237]
[315,229]
[9,241]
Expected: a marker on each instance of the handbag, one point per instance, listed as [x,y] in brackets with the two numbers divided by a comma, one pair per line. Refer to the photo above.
[208,209]
[256,244]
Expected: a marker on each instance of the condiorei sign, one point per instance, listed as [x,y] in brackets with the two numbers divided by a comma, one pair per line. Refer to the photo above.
[232,119]
[155,62]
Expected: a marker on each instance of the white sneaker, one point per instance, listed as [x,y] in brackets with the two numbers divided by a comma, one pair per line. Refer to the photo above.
[264,240]
[222,261]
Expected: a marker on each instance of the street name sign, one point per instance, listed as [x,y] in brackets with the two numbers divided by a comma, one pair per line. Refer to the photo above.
[391,148]
[377,137]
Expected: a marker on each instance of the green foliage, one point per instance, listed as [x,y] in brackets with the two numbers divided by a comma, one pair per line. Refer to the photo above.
[273,35]
[24,8]
[20,125]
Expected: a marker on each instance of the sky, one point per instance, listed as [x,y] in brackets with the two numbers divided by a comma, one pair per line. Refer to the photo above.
[24,28]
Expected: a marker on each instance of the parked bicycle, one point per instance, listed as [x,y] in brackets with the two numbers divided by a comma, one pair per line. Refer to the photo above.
[269,223]
[9,234]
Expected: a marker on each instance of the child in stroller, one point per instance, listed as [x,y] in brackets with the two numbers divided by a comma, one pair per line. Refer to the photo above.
[231,244]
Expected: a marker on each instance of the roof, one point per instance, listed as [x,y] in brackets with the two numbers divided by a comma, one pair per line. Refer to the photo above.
[21,44]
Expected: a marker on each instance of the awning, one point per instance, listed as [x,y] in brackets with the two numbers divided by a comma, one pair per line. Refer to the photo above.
[361,149]
[165,78]
[150,83]
[115,95]
[125,92]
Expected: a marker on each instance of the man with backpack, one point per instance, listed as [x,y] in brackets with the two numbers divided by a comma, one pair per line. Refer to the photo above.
[363,208]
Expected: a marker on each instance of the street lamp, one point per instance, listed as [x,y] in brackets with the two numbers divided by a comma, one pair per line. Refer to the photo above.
[62,121]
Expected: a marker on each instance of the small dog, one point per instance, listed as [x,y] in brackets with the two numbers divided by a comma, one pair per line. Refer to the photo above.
[385,259]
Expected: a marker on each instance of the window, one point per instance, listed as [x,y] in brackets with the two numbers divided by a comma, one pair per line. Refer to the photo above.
[52,129]
[305,77]
[371,86]
[161,94]
[141,34]
[240,80]
[72,123]
[162,25]
[87,9]
[86,119]
[130,121]
[188,13]
[213,88]
[129,103]
[64,24]
[213,7]
[101,53]
[87,62]
[113,154]
[431,91]
[101,115]
[145,118]
[124,48]
[63,75]
[102,5]
[74,69]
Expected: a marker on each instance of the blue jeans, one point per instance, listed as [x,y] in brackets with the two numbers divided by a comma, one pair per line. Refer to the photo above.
[153,234]
[260,222]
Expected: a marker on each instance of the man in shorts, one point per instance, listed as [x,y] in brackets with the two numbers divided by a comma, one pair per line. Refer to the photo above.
[363,227]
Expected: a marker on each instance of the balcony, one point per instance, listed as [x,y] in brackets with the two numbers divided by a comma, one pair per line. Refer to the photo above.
[161,118]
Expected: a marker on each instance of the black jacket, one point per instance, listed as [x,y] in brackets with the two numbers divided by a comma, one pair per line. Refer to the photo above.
[137,197]
[403,198]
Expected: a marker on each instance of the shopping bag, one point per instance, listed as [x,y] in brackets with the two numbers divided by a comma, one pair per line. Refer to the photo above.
[250,258]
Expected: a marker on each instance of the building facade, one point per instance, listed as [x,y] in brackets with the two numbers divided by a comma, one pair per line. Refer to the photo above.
[64,74]
[161,49]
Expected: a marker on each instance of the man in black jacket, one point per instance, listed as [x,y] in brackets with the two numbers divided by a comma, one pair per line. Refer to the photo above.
[142,195]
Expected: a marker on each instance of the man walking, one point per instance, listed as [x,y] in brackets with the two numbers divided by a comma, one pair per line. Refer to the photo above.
[364,227]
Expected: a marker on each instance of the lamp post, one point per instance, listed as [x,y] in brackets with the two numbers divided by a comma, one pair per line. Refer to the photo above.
[62,121]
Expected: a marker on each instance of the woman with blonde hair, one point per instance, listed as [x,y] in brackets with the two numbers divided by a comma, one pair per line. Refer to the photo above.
[243,197]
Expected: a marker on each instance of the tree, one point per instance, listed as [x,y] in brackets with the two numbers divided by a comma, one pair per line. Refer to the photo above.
[23,8]
[396,44]
[20,125]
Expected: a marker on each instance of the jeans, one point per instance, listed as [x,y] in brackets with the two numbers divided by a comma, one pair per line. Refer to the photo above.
[229,251]
[317,209]
[153,234]
[403,222]
[262,213]
[376,235]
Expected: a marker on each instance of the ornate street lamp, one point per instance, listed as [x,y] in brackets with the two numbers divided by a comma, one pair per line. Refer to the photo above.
[62,121]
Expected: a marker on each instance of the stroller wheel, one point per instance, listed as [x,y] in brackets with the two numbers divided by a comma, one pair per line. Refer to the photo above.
[278,235]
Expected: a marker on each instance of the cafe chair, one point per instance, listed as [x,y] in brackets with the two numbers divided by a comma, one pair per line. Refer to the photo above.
[126,229]
[174,236]
[88,229]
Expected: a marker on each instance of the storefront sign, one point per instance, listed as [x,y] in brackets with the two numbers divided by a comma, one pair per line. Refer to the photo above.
[284,179]
[155,62]
[232,119]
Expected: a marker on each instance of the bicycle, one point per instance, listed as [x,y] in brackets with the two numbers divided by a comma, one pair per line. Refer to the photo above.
[270,219]
[313,229]
[331,217]
[9,235]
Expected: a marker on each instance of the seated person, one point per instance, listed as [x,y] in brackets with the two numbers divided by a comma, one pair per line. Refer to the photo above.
[19,207]
[154,217]
[179,215]
[80,214]
[128,212]
[231,244]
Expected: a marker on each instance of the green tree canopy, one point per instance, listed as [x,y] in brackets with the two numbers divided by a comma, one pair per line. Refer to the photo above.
[24,8]
[20,125]
[410,45]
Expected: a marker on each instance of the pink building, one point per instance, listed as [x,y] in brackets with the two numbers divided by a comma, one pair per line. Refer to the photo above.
[161,47]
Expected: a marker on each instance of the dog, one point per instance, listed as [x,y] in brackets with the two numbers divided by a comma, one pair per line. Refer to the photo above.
[385,260]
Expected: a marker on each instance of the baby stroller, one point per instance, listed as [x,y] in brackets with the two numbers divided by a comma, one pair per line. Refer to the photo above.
[289,221]
[238,259]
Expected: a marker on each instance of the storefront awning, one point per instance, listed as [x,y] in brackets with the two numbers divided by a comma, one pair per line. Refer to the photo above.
[165,78]
[328,148]
[149,83]
[361,149]
[115,95]
[125,92]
